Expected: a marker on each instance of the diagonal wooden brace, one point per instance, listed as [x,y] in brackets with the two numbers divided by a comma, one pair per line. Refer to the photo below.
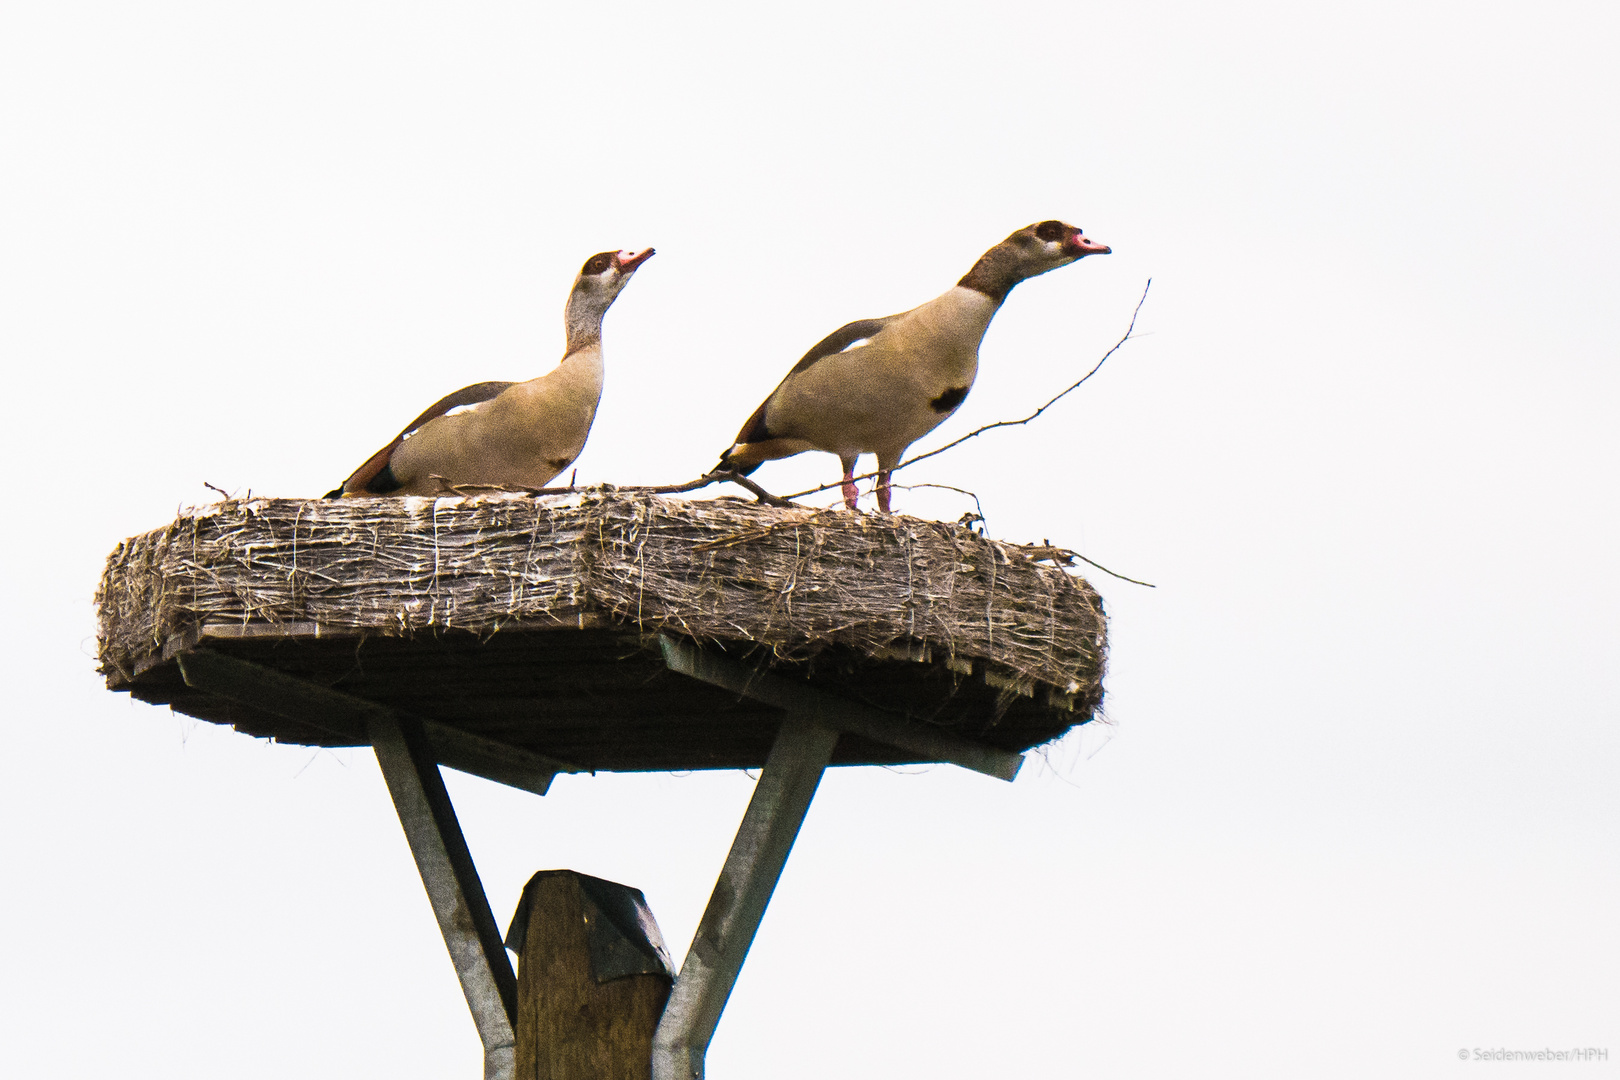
[771,824]
[408,752]
[452,885]
[803,747]
[928,742]
[347,717]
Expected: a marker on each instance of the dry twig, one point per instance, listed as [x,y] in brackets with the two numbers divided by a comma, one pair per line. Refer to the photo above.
[654,489]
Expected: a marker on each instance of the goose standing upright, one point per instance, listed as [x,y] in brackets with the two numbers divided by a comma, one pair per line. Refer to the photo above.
[878,385]
[508,434]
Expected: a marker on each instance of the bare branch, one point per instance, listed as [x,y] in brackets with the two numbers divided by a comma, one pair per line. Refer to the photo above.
[759,492]
[1058,555]
[654,489]
[1111,573]
[716,477]
[978,506]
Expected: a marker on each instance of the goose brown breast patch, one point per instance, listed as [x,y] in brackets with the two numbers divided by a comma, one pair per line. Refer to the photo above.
[949,400]
[384,482]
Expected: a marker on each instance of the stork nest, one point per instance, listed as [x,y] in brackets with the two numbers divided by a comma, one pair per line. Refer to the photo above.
[790,581]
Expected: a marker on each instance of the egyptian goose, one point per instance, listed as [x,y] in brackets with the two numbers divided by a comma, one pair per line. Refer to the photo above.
[506,434]
[878,385]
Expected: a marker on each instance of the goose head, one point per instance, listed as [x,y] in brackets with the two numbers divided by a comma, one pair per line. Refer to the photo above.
[1029,252]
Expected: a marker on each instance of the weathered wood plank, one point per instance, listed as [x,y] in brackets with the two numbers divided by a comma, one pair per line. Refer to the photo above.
[350,718]
[802,699]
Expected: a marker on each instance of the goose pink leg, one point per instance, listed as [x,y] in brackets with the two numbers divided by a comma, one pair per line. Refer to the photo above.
[883,491]
[851,492]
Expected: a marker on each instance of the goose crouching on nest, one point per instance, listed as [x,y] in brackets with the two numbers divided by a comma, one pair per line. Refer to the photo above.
[878,385]
[508,434]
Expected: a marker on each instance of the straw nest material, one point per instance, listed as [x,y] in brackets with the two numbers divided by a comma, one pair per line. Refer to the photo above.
[792,582]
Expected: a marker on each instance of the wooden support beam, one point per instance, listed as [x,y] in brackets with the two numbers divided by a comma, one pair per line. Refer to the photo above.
[409,757]
[929,743]
[348,717]
[781,799]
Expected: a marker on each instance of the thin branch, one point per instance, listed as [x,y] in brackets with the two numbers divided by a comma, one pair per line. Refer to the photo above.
[719,477]
[1005,423]
[978,506]
[1111,573]
[743,481]
[1064,555]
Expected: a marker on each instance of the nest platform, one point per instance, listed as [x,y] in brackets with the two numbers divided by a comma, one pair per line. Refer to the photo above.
[560,632]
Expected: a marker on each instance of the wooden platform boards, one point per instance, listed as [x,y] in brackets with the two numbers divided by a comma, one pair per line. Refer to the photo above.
[602,697]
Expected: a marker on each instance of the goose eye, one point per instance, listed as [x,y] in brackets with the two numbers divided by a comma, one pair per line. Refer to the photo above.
[1052,231]
[597,264]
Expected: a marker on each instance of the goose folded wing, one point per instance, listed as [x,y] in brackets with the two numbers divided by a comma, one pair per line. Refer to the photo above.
[846,337]
[366,476]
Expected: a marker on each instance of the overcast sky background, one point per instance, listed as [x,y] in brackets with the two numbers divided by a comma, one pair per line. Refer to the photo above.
[1356,807]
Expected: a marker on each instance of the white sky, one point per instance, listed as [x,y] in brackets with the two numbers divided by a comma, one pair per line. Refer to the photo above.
[1357,808]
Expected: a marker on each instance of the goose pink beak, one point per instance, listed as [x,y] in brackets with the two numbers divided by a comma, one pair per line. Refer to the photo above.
[1080,245]
[628,262]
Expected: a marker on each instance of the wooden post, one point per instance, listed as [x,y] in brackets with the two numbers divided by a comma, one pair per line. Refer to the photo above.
[592,980]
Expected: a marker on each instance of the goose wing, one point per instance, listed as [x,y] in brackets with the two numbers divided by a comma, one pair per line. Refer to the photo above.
[373,477]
